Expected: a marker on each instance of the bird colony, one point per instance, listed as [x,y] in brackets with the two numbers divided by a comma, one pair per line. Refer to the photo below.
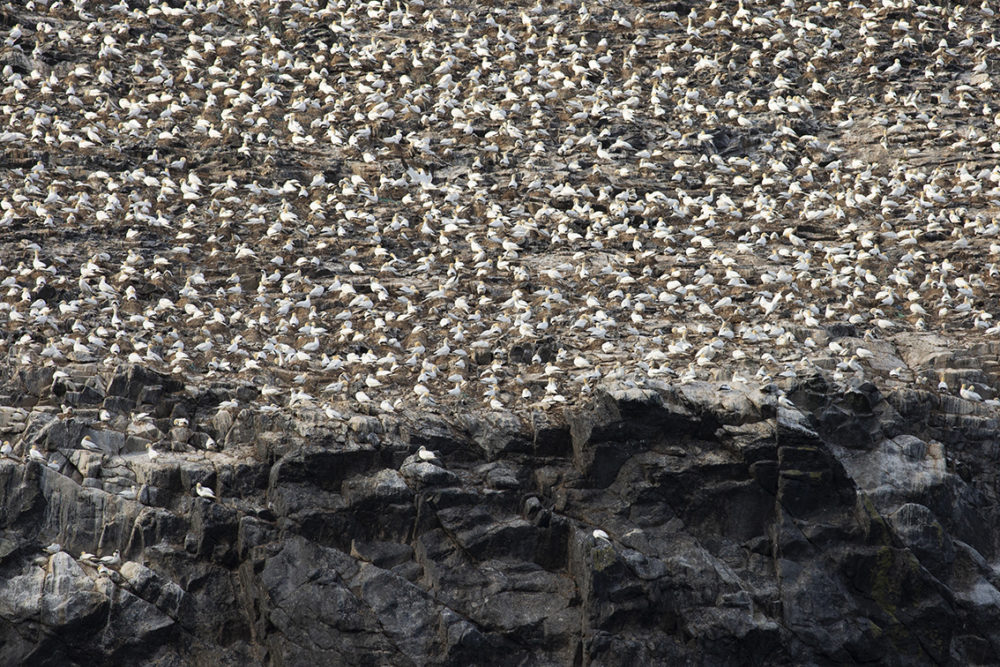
[428,204]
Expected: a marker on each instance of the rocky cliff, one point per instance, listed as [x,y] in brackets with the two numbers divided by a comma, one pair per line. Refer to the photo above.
[535,332]
[783,524]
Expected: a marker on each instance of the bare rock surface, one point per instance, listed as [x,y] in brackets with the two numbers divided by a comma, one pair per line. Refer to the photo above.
[706,523]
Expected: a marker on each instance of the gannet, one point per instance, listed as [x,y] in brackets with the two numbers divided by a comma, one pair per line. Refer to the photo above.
[114,560]
[87,443]
[204,492]
[969,394]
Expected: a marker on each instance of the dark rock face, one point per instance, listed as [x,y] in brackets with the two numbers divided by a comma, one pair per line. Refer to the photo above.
[739,528]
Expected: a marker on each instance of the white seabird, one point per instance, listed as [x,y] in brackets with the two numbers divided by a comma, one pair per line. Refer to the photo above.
[114,560]
[88,444]
[204,492]
[970,394]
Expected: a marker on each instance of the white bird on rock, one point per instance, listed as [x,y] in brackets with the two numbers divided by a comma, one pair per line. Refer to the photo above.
[114,560]
[970,394]
[204,491]
[88,444]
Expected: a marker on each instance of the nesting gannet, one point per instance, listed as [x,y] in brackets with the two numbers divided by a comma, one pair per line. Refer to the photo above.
[204,492]
[114,560]
[544,235]
[968,393]
[87,443]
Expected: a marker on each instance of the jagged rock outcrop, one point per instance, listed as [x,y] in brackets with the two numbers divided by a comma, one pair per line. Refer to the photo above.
[781,525]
